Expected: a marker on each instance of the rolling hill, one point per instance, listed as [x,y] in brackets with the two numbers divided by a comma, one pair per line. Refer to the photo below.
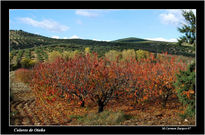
[130,40]
[24,40]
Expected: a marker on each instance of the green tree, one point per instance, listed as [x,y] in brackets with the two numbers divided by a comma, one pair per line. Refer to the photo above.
[188,29]
[185,86]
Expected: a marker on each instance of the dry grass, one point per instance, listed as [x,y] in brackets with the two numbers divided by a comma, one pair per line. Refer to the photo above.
[103,118]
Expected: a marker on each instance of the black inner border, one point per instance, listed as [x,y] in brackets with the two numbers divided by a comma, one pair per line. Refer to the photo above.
[6,5]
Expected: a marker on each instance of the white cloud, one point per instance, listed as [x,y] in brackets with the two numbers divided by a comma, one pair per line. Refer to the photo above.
[173,16]
[65,37]
[49,25]
[74,37]
[169,18]
[106,40]
[101,40]
[57,37]
[162,39]
[88,13]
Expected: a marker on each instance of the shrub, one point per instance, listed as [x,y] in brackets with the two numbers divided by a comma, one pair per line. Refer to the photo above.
[128,54]
[52,56]
[32,63]
[113,55]
[70,54]
[141,54]
[185,85]
[23,75]
[87,50]
[27,63]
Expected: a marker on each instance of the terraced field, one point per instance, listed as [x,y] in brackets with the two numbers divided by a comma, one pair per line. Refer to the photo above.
[23,108]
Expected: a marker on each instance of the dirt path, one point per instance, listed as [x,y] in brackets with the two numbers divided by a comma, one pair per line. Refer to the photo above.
[23,106]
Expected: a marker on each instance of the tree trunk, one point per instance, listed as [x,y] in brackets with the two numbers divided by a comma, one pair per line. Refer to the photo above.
[100,106]
[165,101]
[82,104]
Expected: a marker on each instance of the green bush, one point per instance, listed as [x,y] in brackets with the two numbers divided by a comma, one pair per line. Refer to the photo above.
[185,86]
[104,118]
[32,63]
[27,63]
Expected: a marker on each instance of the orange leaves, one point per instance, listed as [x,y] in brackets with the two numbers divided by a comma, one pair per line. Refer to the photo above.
[156,76]
[160,92]
[145,97]
[86,78]
[189,93]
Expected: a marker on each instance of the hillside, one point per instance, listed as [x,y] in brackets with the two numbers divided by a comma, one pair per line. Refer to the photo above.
[20,40]
[130,40]
[23,40]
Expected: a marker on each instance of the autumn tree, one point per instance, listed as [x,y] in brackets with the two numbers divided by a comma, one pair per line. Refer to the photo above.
[62,77]
[109,80]
[81,78]
[87,77]
[156,79]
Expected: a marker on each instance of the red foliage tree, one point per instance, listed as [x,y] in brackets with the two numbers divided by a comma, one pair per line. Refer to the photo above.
[100,80]
[156,77]
[109,80]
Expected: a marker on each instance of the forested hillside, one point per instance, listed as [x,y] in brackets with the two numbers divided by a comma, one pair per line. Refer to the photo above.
[22,40]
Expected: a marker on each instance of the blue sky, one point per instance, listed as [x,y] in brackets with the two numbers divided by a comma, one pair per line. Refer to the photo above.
[99,24]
